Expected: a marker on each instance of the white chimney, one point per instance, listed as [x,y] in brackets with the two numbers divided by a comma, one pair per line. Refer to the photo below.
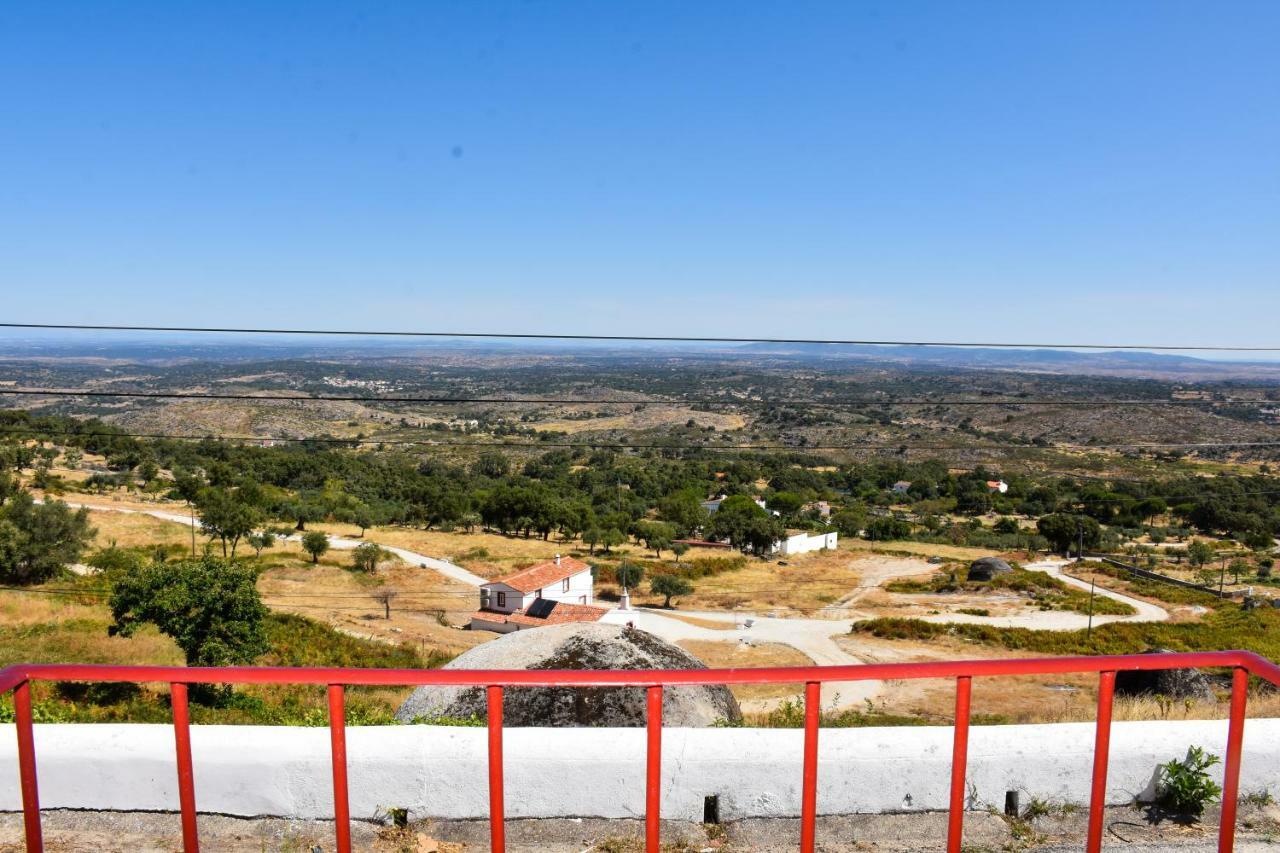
[557,559]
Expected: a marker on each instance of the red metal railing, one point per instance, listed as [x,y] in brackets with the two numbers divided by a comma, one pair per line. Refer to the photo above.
[18,678]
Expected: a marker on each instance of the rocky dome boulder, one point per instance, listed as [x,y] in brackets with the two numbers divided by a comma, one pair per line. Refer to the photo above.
[576,646]
[986,568]
[1171,683]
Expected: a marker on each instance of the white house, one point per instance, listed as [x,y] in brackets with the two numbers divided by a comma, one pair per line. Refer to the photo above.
[560,590]
[713,504]
[802,542]
[997,486]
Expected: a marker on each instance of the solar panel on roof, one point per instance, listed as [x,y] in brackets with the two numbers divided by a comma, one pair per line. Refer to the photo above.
[541,608]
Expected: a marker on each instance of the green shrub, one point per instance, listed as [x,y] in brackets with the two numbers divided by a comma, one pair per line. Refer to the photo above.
[1184,787]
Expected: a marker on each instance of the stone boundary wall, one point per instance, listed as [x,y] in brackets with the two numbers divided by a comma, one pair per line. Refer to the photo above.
[441,772]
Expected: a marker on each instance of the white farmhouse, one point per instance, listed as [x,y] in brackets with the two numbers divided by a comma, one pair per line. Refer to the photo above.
[560,590]
[802,542]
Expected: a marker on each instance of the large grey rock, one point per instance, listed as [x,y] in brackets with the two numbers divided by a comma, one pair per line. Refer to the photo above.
[1170,683]
[985,568]
[576,646]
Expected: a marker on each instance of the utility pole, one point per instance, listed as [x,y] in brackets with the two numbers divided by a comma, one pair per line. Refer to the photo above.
[1088,632]
[1222,578]
[193,531]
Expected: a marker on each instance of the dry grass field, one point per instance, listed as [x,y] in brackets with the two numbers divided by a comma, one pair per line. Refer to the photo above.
[427,611]
[923,549]
[489,555]
[132,530]
[728,655]
[424,612]
[647,418]
[39,628]
[1021,699]
[806,585]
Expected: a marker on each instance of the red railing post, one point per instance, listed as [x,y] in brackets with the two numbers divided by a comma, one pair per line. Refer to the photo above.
[186,771]
[1101,755]
[338,753]
[809,789]
[959,763]
[497,814]
[653,771]
[27,767]
[1231,770]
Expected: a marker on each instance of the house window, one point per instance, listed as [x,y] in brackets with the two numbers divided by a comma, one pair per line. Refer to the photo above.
[502,599]
[564,585]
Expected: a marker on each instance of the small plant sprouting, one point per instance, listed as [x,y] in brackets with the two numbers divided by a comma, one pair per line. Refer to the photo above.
[1184,787]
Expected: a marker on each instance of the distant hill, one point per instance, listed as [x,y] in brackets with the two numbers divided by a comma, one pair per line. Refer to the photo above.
[1107,362]
[177,349]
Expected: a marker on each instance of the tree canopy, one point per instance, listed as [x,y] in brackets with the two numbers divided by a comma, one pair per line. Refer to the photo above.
[210,607]
[38,540]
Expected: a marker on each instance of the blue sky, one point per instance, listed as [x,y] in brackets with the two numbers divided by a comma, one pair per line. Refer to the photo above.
[1090,171]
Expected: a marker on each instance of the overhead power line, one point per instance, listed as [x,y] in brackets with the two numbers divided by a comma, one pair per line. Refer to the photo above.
[618,445]
[407,333]
[576,401]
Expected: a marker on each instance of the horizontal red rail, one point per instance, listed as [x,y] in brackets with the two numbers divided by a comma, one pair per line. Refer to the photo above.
[19,677]
[12,675]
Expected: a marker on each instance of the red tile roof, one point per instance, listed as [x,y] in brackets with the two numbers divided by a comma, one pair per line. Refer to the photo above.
[543,575]
[561,613]
[557,613]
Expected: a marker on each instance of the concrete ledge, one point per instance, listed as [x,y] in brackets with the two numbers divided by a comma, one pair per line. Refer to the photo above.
[442,772]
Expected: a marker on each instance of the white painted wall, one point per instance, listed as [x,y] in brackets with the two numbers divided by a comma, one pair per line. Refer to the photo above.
[580,587]
[803,543]
[479,624]
[513,600]
[441,772]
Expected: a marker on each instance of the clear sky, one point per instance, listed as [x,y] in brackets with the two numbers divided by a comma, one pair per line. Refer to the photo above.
[1091,171]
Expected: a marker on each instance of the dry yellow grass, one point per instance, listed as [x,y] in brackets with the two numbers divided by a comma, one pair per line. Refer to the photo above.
[924,549]
[34,607]
[647,418]
[1021,699]
[330,591]
[428,610]
[133,530]
[72,630]
[806,583]
[729,655]
[486,554]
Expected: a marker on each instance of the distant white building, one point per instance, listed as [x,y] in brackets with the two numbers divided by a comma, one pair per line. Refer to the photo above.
[713,504]
[997,486]
[560,590]
[802,542]
[901,487]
